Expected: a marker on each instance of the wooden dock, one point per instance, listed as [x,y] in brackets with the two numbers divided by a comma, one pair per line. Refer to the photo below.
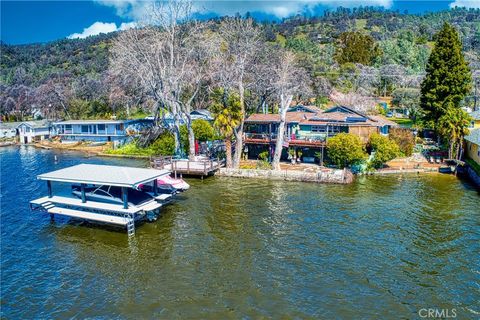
[202,168]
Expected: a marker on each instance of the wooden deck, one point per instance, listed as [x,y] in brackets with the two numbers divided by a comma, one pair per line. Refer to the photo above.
[201,168]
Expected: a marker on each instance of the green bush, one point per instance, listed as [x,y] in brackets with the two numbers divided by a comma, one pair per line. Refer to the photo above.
[263,163]
[164,145]
[203,130]
[345,149]
[404,139]
[384,148]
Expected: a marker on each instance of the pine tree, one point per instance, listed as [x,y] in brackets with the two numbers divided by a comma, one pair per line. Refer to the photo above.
[448,78]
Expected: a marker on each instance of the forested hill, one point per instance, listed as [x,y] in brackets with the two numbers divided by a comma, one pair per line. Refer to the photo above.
[400,44]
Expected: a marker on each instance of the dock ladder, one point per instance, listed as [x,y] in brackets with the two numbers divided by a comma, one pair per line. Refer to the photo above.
[130,225]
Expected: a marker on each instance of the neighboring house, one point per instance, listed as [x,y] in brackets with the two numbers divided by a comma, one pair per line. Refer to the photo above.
[308,128]
[202,114]
[118,131]
[33,131]
[475,124]
[8,130]
[473,145]
[302,108]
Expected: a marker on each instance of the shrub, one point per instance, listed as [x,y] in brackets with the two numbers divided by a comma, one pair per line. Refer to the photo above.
[164,145]
[404,139]
[263,163]
[345,149]
[385,149]
[203,130]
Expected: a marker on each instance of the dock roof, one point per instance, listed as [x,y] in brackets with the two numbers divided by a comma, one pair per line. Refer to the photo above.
[104,175]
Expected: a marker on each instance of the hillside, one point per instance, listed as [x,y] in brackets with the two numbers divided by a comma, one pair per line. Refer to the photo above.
[78,68]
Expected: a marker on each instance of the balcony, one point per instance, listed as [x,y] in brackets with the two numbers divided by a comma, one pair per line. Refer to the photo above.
[292,140]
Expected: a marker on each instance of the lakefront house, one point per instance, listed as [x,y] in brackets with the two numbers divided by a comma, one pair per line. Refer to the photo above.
[33,131]
[116,131]
[308,128]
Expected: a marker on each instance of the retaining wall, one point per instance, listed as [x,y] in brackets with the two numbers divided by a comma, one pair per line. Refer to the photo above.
[473,176]
[330,176]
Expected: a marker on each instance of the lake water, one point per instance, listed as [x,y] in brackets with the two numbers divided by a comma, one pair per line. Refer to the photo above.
[382,247]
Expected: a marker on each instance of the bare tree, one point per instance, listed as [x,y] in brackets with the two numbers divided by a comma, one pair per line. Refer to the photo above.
[289,80]
[240,40]
[52,97]
[162,57]
[356,101]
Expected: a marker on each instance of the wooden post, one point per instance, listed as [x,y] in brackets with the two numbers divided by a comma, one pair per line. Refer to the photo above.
[84,198]
[155,190]
[125,197]
[49,186]
[188,166]
[204,168]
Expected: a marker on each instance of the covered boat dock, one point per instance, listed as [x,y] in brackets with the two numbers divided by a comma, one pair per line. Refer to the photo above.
[123,214]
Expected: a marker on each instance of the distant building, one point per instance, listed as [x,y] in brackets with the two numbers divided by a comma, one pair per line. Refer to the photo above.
[473,145]
[202,114]
[117,131]
[34,131]
[8,130]
[475,124]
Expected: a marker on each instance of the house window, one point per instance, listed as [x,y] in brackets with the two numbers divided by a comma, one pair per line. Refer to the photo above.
[318,129]
[101,127]
[84,129]
[119,127]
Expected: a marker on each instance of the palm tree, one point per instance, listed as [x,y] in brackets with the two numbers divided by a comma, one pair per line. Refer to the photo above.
[453,126]
[228,114]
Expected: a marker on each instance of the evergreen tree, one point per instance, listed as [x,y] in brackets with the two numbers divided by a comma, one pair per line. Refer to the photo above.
[448,78]
[355,47]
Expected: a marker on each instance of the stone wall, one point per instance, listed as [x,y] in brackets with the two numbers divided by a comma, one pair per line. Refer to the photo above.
[327,176]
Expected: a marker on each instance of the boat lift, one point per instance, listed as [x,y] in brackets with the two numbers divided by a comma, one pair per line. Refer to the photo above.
[124,214]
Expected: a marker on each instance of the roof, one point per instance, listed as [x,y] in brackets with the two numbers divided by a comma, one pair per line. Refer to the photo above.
[104,175]
[320,118]
[35,124]
[347,109]
[474,136]
[274,118]
[9,125]
[97,121]
[475,115]
[383,121]
[312,109]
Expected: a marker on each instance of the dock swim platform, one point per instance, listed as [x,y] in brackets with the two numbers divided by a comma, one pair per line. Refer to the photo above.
[198,167]
[105,194]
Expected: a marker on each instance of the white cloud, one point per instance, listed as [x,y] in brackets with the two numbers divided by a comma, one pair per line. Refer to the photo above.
[101,27]
[466,4]
[135,9]
[127,25]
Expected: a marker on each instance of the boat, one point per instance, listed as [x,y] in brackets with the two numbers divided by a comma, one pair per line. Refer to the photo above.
[179,184]
[104,194]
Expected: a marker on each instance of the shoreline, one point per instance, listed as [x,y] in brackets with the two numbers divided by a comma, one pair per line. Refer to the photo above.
[332,176]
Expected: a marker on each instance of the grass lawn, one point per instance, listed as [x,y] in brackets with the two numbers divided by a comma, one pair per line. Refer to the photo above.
[404,122]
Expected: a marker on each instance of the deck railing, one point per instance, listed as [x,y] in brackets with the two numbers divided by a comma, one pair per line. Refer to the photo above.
[189,167]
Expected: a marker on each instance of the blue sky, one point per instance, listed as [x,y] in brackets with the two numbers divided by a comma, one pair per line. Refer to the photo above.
[42,21]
